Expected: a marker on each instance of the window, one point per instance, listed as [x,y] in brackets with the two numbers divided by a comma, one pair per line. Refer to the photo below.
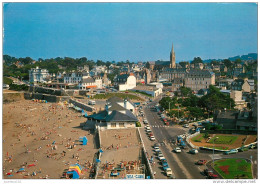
[121,125]
[113,124]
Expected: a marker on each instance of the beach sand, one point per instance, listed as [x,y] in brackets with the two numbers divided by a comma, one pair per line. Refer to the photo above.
[37,137]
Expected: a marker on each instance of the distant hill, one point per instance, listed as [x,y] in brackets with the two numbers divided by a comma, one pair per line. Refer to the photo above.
[249,56]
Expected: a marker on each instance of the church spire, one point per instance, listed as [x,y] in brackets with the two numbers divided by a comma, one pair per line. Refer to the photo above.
[172,58]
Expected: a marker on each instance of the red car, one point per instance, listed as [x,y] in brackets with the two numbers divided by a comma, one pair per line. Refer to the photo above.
[210,174]
[201,162]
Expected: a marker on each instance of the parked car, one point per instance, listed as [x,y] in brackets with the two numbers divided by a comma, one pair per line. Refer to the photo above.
[201,162]
[157,150]
[152,138]
[251,146]
[194,151]
[177,150]
[145,121]
[210,174]
[231,151]
[160,156]
[165,164]
[148,130]
[168,172]
[156,145]
[186,126]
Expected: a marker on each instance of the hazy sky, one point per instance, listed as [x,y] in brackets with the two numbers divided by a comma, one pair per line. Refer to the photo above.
[129,31]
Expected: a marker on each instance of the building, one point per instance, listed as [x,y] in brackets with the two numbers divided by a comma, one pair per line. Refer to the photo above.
[173,73]
[237,97]
[125,81]
[38,75]
[84,68]
[98,81]
[73,77]
[150,90]
[87,82]
[199,79]
[241,85]
[118,114]
[236,120]
[177,83]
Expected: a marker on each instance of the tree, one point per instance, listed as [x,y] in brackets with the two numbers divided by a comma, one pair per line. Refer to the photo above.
[183,64]
[147,65]
[197,60]
[216,100]
[227,63]
[214,62]
[195,112]
[185,91]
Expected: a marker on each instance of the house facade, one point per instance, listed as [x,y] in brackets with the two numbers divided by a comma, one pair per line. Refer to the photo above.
[38,75]
[199,79]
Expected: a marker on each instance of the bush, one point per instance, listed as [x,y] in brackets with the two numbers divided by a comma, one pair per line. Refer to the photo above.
[138,124]
[19,87]
[8,81]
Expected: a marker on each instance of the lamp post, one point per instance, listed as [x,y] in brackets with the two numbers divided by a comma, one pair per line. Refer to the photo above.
[214,149]
[169,106]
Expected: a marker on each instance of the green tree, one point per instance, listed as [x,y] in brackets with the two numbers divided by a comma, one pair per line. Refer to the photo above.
[227,63]
[197,60]
[183,63]
[214,62]
[185,91]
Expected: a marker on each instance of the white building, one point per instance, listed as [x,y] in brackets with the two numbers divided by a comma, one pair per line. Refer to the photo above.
[73,78]
[125,82]
[87,82]
[99,82]
[118,114]
[38,75]
[151,90]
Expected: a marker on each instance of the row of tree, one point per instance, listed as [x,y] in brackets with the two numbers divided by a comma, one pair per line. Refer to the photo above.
[194,107]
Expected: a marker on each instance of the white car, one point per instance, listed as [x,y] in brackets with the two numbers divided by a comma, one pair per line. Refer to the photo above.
[145,121]
[186,126]
[160,156]
[148,130]
[157,150]
[152,138]
[147,126]
[168,172]
[177,150]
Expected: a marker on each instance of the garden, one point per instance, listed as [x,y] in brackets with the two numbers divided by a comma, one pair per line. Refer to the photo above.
[234,168]
[120,95]
[223,139]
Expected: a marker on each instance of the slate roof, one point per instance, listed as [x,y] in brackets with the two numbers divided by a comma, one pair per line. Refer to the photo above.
[115,116]
[88,80]
[199,73]
[118,116]
[115,106]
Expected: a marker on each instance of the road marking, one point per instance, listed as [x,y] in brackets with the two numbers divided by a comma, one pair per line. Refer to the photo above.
[216,156]
[185,171]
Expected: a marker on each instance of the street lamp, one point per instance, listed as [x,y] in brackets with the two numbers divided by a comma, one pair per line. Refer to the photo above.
[214,149]
[169,106]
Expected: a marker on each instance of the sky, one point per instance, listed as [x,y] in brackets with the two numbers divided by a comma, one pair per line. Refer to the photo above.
[129,31]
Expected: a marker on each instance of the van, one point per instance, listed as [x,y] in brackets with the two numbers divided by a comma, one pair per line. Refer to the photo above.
[92,102]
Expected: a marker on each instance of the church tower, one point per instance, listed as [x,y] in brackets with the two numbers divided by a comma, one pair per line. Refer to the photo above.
[172,58]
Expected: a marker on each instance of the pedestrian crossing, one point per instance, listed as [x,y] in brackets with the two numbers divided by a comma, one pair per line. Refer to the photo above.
[159,126]
[216,156]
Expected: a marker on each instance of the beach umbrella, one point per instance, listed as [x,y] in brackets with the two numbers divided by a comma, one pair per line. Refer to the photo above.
[97,160]
[101,151]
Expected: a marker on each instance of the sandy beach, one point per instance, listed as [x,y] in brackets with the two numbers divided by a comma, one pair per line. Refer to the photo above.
[42,139]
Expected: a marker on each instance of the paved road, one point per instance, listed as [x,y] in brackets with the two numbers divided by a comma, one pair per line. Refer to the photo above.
[183,164]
